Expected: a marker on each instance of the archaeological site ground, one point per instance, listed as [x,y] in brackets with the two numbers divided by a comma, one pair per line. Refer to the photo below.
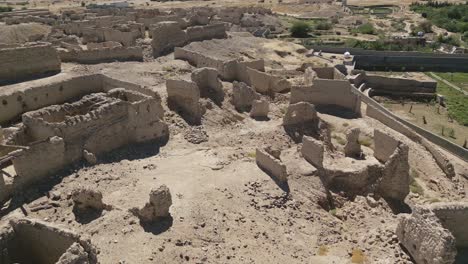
[295,131]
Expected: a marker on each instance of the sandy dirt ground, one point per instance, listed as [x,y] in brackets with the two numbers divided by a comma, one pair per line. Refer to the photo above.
[225,209]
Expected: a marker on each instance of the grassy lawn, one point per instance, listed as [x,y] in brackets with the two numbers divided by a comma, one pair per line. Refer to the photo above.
[460,79]
[457,103]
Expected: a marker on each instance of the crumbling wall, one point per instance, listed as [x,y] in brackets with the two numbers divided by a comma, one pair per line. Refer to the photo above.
[423,235]
[454,216]
[20,98]
[330,73]
[183,97]
[229,70]
[102,55]
[312,150]
[169,34]
[32,165]
[209,84]
[266,83]
[212,31]
[26,62]
[33,241]
[384,145]
[271,164]
[328,92]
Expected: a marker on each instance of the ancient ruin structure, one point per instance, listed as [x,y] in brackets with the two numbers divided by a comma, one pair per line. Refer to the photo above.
[269,161]
[97,123]
[157,208]
[27,62]
[387,174]
[25,241]
[433,234]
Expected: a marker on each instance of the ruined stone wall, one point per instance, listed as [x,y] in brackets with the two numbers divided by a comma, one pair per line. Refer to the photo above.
[266,83]
[212,31]
[24,97]
[168,35]
[454,217]
[32,164]
[27,62]
[422,234]
[102,55]
[330,73]
[328,92]
[272,165]
[230,70]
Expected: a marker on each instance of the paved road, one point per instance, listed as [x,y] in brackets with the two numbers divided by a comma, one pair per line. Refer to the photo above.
[448,83]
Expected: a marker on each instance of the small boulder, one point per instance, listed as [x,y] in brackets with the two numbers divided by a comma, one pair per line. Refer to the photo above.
[158,206]
[86,198]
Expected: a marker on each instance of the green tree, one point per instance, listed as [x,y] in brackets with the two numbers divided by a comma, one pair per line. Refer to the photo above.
[300,29]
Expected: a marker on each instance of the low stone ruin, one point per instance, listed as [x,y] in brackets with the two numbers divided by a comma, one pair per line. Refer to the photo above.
[301,119]
[160,200]
[260,109]
[27,62]
[102,55]
[183,97]
[33,241]
[243,96]
[87,198]
[325,92]
[269,161]
[169,34]
[432,234]
[96,124]
[266,83]
[352,147]
[386,175]
[209,84]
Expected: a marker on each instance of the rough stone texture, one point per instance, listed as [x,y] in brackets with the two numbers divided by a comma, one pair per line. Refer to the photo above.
[101,55]
[75,254]
[384,145]
[324,92]
[312,150]
[209,84]
[300,113]
[260,109]
[395,179]
[157,208]
[266,83]
[86,198]
[33,241]
[271,164]
[424,237]
[309,76]
[27,62]
[183,97]
[167,35]
[454,217]
[243,96]
[352,147]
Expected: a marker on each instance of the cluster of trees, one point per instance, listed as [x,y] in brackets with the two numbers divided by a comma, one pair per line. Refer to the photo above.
[452,17]
[301,29]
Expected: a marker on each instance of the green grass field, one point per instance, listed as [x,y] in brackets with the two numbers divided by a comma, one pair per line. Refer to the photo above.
[457,102]
[460,79]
